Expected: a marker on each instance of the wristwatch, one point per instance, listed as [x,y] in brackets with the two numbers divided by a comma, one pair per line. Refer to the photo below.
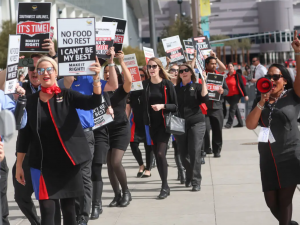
[53,57]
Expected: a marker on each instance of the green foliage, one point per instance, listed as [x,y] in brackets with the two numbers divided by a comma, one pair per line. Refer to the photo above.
[140,57]
[183,28]
[245,43]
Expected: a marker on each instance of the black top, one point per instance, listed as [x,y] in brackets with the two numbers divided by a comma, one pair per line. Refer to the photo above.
[166,87]
[62,108]
[118,100]
[189,100]
[156,97]
[136,104]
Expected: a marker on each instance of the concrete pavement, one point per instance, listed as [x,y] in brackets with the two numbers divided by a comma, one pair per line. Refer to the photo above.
[230,192]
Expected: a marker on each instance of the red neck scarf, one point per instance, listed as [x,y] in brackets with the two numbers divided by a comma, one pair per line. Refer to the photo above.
[51,90]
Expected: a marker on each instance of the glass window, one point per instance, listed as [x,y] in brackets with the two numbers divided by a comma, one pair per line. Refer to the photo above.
[267,35]
[283,36]
[292,36]
[288,36]
[278,37]
[262,39]
[272,37]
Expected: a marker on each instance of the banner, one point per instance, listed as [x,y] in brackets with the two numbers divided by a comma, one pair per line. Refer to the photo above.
[200,60]
[189,49]
[173,49]
[203,44]
[205,8]
[119,38]
[163,61]
[105,35]
[33,24]
[76,46]
[100,116]
[131,63]
[13,50]
[149,53]
[214,82]
[205,26]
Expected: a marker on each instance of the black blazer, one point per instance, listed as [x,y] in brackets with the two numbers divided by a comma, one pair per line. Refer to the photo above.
[170,99]
[63,110]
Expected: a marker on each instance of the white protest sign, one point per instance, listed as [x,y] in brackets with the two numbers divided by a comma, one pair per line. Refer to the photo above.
[173,49]
[242,109]
[131,63]
[100,116]
[105,35]
[76,46]
[149,53]
[163,61]
[11,78]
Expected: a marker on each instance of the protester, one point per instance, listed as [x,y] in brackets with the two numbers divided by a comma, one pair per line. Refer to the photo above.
[119,137]
[189,96]
[55,154]
[214,118]
[134,110]
[6,103]
[277,112]
[237,90]
[159,99]
[247,73]
[259,71]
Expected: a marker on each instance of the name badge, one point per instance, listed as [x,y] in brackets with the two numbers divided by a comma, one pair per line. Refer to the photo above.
[265,135]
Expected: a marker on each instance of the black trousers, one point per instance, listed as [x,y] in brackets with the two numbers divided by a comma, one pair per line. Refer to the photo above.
[23,194]
[189,145]
[3,185]
[214,121]
[233,110]
[83,204]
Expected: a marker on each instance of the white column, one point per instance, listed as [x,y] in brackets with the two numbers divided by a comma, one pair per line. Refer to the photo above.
[54,17]
[271,57]
[284,56]
[126,35]
[13,10]
[62,11]
[78,13]
[71,12]
[265,57]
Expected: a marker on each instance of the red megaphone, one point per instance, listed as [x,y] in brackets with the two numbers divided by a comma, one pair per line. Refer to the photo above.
[264,85]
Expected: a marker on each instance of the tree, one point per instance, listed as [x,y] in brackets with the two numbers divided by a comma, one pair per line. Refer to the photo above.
[245,44]
[7,29]
[183,28]
[140,57]
[220,37]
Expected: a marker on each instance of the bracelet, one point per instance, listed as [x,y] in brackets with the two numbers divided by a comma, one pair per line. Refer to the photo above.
[297,53]
[96,85]
[260,107]
[97,80]
[111,64]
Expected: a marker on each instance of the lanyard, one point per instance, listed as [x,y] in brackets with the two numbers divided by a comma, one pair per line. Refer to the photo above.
[272,107]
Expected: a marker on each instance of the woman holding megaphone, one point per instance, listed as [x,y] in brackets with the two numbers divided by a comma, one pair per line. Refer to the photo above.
[279,139]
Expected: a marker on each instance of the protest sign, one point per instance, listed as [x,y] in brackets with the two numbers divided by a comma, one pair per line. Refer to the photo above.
[131,63]
[242,109]
[100,116]
[105,35]
[200,60]
[120,32]
[214,82]
[203,44]
[33,24]
[163,61]
[11,78]
[173,49]
[189,49]
[149,53]
[76,46]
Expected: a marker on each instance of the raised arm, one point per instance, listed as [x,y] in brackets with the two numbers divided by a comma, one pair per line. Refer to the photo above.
[194,60]
[204,92]
[296,47]
[222,67]
[127,75]
[112,83]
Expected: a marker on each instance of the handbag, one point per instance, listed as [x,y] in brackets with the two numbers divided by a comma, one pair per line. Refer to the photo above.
[175,125]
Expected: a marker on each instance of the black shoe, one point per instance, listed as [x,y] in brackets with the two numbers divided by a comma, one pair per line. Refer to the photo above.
[188,183]
[146,176]
[140,174]
[126,198]
[181,171]
[196,187]
[208,151]
[81,222]
[178,175]
[164,193]
[294,223]
[227,126]
[203,153]
[116,201]
[153,164]
[202,160]
[96,201]
[217,155]
[239,125]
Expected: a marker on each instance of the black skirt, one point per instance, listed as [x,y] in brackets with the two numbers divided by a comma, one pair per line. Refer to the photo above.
[119,135]
[159,134]
[101,145]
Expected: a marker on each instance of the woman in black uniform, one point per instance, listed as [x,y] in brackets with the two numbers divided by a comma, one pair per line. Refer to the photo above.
[138,134]
[279,140]
[119,137]
[57,142]
[160,99]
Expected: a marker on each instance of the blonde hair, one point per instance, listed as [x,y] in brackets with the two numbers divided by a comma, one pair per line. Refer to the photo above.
[162,72]
[47,59]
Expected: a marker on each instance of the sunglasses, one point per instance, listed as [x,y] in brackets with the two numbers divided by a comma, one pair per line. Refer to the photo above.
[151,66]
[254,60]
[184,70]
[32,68]
[174,70]
[41,71]
[142,75]
[275,77]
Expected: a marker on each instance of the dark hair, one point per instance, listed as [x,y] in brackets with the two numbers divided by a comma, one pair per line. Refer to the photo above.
[37,55]
[146,74]
[207,60]
[193,78]
[229,64]
[285,73]
[120,76]
[247,67]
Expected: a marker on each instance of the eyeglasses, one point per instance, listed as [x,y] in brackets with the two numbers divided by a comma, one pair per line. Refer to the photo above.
[151,66]
[41,71]
[184,70]
[275,77]
[174,70]
[31,68]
